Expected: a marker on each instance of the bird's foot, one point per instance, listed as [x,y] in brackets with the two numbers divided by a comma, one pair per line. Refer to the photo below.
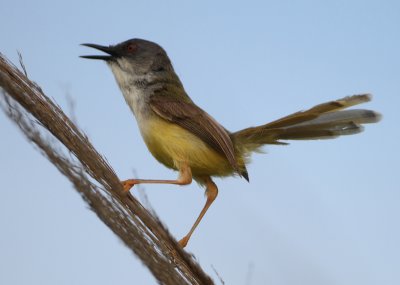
[183,242]
[128,184]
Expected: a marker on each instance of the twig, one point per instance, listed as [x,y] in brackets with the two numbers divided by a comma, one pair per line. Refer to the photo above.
[219,276]
[21,62]
[36,115]
[249,275]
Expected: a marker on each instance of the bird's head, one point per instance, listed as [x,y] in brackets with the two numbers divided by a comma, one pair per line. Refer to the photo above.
[133,57]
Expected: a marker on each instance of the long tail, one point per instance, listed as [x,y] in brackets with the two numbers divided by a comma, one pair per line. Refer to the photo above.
[324,121]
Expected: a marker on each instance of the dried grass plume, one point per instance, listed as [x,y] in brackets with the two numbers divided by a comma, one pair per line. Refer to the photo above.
[45,125]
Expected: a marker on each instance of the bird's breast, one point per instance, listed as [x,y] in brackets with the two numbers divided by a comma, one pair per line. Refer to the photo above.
[173,145]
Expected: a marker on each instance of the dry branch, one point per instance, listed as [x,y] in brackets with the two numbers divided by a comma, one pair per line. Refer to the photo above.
[36,115]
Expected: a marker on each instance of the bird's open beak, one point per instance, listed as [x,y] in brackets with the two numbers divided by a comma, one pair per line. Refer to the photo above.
[110,50]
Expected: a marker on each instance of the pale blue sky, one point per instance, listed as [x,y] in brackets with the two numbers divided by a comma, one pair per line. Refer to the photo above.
[322,212]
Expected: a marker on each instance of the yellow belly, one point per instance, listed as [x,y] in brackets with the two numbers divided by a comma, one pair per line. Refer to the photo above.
[172,145]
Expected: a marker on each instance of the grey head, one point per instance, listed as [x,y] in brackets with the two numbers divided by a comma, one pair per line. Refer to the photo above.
[133,57]
[141,69]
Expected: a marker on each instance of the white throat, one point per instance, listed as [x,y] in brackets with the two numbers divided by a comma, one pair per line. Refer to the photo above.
[135,96]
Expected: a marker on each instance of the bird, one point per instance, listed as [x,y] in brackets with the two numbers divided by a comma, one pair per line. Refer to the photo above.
[185,138]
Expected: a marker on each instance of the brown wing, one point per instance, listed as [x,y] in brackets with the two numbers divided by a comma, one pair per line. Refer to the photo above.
[198,122]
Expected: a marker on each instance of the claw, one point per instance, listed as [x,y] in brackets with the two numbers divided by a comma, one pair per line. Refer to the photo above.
[127,185]
[183,242]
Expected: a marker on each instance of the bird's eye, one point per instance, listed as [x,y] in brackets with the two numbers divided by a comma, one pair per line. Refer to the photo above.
[131,48]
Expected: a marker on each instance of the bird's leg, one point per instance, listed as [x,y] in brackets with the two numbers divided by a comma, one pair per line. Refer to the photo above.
[184,178]
[211,193]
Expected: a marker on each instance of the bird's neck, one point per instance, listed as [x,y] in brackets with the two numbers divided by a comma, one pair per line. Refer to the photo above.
[138,88]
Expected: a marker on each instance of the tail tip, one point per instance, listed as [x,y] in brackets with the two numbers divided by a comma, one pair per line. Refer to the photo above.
[373,116]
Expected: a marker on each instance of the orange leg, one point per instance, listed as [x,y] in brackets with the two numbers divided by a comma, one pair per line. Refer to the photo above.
[185,178]
[211,193]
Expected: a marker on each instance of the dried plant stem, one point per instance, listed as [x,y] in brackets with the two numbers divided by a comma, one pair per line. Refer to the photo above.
[36,115]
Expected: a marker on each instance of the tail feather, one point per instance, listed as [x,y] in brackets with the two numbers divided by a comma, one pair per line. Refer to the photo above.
[357,116]
[324,121]
[323,131]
